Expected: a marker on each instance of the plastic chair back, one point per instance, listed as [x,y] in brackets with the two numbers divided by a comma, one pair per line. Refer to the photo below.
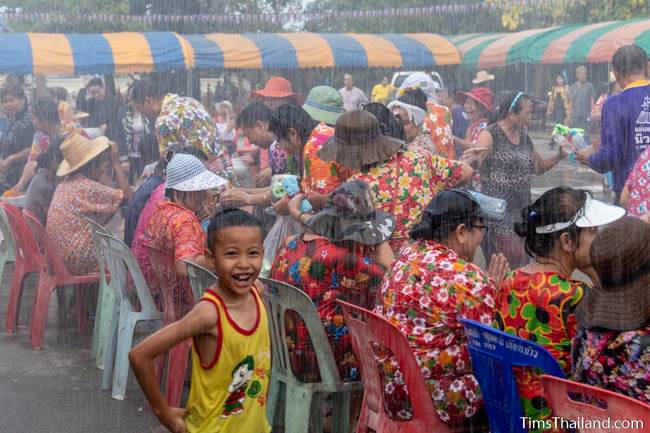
[171,286]
[494,353]
[121,263]
[200,278]
[281,297]
[616,406]
[26,247]
[8,246]
[55,266]
[367,328]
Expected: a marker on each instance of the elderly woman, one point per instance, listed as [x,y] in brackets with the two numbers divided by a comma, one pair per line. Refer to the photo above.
[343,255]
[508,160]
[16,141]
[85,191]
[478,107]
[402,180]
[174,226]
[410,110]
[612,346]
[431,285]
[537,302]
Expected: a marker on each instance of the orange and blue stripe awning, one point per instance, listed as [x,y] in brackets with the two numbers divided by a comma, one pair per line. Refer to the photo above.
[591,43]
[321,50]
[115,53]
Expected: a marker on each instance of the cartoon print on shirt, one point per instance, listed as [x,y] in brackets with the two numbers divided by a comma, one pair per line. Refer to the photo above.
[241,374]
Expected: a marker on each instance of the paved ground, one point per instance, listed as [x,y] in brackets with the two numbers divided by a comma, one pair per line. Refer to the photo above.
[57,389]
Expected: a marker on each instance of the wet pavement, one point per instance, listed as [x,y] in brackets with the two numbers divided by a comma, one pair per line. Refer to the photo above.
[57,389]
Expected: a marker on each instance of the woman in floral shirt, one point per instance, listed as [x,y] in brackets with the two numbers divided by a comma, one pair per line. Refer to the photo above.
[402,180]
[431,285]
[343,256]
[636,195]
[537,302]
[612,346]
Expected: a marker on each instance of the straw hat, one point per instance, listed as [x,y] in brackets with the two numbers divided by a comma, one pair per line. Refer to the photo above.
[78,151]
[358,142]
[620,254]
[482,77]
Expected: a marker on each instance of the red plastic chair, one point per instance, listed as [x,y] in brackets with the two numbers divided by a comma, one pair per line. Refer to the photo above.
[172,287]
[367,328]
[28,260]
[617,407]
[54,274]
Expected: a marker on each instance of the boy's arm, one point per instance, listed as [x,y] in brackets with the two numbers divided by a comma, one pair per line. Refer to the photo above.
[201,320]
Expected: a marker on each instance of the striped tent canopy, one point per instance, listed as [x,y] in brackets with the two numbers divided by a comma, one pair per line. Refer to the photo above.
[592,43]
[107,53]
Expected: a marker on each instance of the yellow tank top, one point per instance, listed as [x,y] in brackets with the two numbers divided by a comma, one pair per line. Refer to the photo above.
[228,393]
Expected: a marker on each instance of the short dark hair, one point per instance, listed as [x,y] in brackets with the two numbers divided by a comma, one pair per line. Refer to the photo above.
[143,88]
[387,121]
[556,205]
[414,96]
[252,113]
[230,218]
[51,155]
[14,90]
[46,110]
[452,208]
[59,93]
[630,59]
[95,82]
[289,116]
[512,102]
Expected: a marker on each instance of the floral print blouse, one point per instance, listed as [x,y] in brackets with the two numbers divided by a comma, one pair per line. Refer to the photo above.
[618,361]
[404,186]
[325,272]
[426,291]
[638,184]
[539,307]
[437,124]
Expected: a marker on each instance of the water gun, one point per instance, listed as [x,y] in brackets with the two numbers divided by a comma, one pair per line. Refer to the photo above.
[289,186]
[574,136]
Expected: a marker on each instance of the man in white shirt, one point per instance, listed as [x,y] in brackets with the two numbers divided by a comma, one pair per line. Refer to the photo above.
[353,97]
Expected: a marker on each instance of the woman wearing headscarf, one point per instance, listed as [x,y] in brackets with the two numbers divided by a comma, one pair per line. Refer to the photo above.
[410,111]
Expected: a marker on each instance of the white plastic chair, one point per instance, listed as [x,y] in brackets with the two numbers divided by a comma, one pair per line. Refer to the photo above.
[200,278]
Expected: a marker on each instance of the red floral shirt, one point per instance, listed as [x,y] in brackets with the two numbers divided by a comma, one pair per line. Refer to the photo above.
[638,184]
[177,231]
[437,123]
[539,307]
[326,272]
[426,291]
[404,186]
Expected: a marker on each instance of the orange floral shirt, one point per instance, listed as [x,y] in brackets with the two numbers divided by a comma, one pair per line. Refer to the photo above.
[320,176]
[438,125]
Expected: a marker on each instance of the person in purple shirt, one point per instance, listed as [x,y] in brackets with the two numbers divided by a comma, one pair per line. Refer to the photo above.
[625,130]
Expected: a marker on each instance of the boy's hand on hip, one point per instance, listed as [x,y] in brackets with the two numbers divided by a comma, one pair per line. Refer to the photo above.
[173,419]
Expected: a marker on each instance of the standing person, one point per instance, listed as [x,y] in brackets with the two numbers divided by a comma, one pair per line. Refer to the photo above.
[343,255]
[353,97]
[103,108]
[430,285]
[612,346]
[45,118]
[231,354]
[559,102]
[382,92]
[625,119]
[438,120]
[402,180]
[459,119]
[16,140]
[537,302]
[135,125]
[478,104]
[636,194]
[508,160]
[388,123]
[582,96]
[277,91]
[86,190]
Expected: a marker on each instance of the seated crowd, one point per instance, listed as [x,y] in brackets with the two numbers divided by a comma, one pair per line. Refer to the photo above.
[381,221]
